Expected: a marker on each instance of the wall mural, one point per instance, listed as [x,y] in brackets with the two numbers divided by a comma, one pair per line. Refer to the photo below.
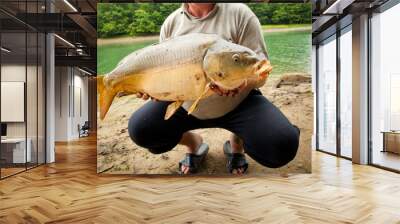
[204,89]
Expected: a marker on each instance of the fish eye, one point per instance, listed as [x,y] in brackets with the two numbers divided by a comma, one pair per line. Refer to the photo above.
[235,57]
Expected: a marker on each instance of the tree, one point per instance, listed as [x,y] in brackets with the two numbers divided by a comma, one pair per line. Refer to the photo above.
[146,18]
[143,23]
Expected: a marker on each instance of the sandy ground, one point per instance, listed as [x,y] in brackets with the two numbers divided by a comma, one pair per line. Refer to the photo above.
[133,40]
[119,155]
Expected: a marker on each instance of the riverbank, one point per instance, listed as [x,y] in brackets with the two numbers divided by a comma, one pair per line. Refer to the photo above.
[132,40]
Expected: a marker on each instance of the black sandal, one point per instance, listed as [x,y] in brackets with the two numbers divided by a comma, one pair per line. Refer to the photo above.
[234,160]
[194,160]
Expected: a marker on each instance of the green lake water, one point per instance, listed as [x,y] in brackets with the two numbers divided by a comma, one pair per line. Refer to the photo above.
[288,52]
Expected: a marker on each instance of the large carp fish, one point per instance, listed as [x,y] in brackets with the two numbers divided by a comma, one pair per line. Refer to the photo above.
[182,69]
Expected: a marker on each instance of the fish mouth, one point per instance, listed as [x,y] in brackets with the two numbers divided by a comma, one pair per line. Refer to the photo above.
[263,68]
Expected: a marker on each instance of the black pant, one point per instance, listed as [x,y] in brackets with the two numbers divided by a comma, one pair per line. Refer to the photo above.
[268,136]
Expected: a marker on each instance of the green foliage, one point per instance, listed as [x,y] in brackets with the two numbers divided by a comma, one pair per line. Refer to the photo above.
[112,19]
[132,18]
[282,13]
[146,18]
[143,23]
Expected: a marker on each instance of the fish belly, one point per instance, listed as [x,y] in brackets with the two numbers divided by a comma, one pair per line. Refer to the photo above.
[172,83]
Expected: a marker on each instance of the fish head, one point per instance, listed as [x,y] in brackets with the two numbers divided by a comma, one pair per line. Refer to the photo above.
[231,65]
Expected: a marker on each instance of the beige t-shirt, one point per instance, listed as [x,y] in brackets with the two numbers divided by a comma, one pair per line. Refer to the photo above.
[234,22]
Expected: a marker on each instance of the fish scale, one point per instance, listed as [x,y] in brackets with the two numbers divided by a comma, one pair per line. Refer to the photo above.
[180,69]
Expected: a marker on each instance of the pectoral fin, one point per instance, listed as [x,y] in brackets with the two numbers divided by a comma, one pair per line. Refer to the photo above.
[202,95]
[106,96]
[172,108]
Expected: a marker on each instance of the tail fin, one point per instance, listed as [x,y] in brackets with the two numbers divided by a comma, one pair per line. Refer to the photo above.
[106,96]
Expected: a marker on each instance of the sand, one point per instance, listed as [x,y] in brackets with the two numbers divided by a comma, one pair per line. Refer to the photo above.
[117,154]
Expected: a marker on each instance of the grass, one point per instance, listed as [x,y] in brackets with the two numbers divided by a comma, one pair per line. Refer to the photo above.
[108,56]
[288,52]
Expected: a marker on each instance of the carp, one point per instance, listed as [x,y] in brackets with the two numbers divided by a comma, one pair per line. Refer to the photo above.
[182,69]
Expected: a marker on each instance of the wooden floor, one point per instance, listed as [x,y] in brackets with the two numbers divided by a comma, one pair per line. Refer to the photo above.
[70,191]
[8,171]
[387,159]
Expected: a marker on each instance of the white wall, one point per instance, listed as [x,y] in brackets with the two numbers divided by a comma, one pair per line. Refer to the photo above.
[80,103]
[12,73]
[16,73]
[71,93]
[33,126]
[61,103]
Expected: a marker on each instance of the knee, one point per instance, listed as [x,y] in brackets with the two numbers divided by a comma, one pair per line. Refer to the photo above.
[141,133]
[280,150]
[287,147]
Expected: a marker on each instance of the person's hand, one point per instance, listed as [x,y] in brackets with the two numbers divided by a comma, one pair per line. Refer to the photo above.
[145,96]
[223,92]
[263,71]
[259,82]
